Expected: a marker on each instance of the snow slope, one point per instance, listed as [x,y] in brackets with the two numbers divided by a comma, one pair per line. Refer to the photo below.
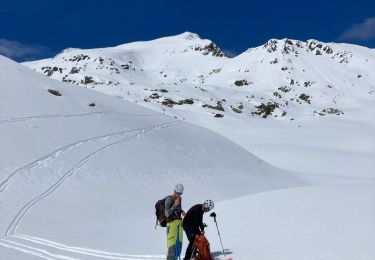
[320,222]
[317,98]
[81,171]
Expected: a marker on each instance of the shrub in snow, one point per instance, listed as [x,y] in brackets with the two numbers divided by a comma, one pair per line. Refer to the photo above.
[305,98]
[54,92]
[154,96]
[277,94]
[188,101]
[274,61]
[331,111]
[79,57]
[219,106]
[241,83]
[265,110]
[87,80]
[285,88]
[170,103]
[308,83]
[50,70]
[74,70]
[237,109]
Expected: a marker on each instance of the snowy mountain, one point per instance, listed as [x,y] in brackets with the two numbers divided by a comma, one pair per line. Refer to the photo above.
[283,78]
[82,169]
[80,172]
[311,85]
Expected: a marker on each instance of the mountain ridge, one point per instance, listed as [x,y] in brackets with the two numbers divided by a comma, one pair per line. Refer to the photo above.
[164,63]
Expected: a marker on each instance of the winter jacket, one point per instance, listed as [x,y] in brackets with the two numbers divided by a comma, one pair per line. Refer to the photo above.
[193,221]
[171,212]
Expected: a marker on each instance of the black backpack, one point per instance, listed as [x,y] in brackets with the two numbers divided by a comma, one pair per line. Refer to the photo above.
[160,212]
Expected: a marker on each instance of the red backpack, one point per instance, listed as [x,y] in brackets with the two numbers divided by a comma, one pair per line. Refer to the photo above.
[201,248]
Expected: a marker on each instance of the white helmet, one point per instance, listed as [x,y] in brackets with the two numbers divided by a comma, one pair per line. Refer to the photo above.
[209,204]
[179,188]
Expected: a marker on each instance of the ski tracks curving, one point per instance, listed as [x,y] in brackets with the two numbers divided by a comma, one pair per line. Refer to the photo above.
[28,118]
[5,183]
[81,253]
[35,250]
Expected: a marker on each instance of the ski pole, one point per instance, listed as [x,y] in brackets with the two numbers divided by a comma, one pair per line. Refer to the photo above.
[213,214]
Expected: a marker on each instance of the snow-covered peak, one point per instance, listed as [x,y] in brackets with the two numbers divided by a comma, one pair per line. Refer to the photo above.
[338,51]
[189,36]
[67,50]
[183,38]
[183,43]
[287,46]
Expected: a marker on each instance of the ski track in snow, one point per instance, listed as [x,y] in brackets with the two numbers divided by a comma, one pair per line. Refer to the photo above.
[84,251]
[27,118]
[40,252]
[5,184]
[32,250]
[36,251]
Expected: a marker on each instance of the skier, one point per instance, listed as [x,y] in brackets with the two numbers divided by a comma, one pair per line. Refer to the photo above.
[174,214]
[193,223]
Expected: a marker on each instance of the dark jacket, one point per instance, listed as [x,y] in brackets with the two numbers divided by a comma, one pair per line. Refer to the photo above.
[193,221]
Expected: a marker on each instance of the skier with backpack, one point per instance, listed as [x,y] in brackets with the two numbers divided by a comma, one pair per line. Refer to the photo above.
[194,226]
[169,213]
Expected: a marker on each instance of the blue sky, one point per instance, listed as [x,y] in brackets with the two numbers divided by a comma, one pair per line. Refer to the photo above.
[34,29]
